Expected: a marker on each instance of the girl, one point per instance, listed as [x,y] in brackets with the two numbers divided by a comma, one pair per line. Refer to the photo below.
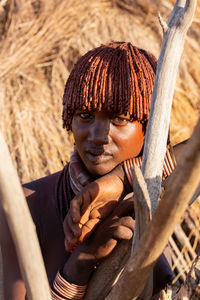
[106,104]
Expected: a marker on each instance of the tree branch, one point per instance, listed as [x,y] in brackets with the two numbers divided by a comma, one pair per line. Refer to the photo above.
[158,124]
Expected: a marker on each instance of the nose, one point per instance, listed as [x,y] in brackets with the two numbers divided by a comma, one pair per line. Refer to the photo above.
[99,132]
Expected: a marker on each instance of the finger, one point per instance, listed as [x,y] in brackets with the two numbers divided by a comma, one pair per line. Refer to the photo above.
[74,227]
[69,236]
[121,232]
[88,229]
[84,219]
[128,222]
[75,208]
[81,203]
[89,196]
[124,207]
[102,210]
[69,244]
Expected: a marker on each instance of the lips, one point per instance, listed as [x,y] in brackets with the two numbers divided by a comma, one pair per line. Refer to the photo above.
[98,156]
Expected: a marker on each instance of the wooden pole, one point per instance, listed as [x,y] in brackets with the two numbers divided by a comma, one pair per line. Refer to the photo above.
[22,228]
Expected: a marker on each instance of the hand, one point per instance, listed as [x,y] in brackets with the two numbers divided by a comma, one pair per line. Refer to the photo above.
[117,226]
[94,203]
[100,244]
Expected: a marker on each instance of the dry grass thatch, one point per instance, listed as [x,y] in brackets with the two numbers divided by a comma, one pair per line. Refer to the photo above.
[40,41]
[39,44]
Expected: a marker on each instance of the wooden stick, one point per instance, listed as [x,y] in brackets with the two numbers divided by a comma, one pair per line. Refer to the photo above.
[178,257]
[22,228]
[143,215]
[182,237]
[142,205]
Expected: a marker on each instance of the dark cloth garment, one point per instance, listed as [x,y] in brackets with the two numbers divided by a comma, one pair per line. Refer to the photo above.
[44,208]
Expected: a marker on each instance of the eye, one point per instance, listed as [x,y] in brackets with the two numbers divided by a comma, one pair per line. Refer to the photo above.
[85,116]
[119,121]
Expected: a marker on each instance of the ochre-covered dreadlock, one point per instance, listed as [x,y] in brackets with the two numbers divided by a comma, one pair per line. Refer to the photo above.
[116,77]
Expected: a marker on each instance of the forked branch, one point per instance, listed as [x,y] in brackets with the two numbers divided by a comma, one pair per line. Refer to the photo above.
[158,125]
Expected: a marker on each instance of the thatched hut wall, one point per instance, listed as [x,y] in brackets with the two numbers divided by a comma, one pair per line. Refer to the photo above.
[41,40]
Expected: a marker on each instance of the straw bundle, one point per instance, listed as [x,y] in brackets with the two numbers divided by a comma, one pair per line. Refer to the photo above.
[40,43]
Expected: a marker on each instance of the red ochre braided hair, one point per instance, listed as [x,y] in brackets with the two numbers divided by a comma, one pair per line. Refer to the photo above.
[115,77]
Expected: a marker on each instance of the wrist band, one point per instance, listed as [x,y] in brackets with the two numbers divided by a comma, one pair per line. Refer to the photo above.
[128,167]
[168,165]
[62,289]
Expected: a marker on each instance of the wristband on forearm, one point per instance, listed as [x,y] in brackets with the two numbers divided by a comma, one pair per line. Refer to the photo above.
[62,289]
[168,165]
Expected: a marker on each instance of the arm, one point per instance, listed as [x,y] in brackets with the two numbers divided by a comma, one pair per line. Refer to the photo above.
[100,244]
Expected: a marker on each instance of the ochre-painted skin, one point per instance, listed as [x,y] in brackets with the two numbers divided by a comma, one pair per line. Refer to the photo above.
[104,139]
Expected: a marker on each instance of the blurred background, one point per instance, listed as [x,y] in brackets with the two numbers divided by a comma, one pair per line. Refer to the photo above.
[41,40]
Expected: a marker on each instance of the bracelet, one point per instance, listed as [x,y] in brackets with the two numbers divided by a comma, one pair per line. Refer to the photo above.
[168,164]
[128,167]
[62,289]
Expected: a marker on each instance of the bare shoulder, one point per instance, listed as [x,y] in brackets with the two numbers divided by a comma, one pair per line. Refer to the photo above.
[179,148]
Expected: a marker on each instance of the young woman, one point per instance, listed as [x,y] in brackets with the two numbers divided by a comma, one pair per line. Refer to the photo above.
[106,105]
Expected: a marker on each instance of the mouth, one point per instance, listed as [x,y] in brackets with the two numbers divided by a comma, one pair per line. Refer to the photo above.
[98,156]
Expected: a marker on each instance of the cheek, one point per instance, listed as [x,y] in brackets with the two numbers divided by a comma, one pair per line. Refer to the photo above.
[130,143]
[78,133]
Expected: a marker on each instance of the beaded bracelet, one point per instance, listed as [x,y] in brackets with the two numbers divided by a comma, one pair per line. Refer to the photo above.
[128,167]
[62,289]
[168,165]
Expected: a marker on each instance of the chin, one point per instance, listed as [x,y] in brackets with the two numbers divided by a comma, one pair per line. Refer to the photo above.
[98,171]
